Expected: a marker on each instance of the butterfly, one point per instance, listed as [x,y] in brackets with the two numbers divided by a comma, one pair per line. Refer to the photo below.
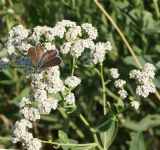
[41,59]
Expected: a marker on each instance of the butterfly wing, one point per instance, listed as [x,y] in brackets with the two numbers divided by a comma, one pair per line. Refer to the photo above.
[35,54]
[54,62]
[49,59]
[32,55]
[39,52]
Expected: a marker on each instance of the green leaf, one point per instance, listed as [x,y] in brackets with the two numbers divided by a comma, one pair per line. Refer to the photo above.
[119,105]
[158,64]
[23,93]
[110,134]
[62,136]
[156,81]
[105,122]
[49,118]
[138,142]
[143,59]
[84,148]
[149,121]
[8,73]
[72,141]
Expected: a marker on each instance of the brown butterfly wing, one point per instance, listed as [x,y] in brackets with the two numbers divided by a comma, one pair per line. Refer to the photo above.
[39,51]
[49,59]
[53,62]
[32,55]
[35,54]
[48,56]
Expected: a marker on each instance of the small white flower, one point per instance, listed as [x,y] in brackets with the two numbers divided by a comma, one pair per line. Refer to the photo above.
[38,84]
[144,90]
[46,106]
[20,131]
[77,48]
[123,94]
[34,144]
[19,31]
[25,101]
[72,81]
[119,83]
[149,67]
[88,43]
[37,32]
[108,46]
[49,46]
[135,104]
[66,23]
[65,48]
[73,33]
[149,70]
[99,52]
[40,95]
[4,62]
[144,78]
[91,31]
[134,73]
[30,113]
[23,47]
[49,33]
[70,99]
[114,73]
[56,85]
[10,47]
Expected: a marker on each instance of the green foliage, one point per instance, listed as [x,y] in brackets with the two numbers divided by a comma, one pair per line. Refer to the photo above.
[147,122]
[137,142]
[139,20]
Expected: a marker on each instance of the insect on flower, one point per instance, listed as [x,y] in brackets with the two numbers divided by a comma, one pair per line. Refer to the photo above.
[41,59]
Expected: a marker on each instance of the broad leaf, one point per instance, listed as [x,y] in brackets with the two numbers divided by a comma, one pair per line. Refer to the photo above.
[144,124]
[138,142]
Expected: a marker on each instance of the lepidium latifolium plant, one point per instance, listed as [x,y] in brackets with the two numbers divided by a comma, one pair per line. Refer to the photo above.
[40,54]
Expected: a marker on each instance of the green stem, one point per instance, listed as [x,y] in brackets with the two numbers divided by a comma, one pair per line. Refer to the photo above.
[92,131]
[103,90]
[72,124]
[110,93]
[70,144]
[155,2]
[104,102]
[73,66]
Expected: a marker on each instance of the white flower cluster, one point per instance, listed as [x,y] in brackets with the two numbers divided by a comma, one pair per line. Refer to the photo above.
[76,48]
[114,73]
[144,79]
[90,30]
[21,133]
[18,40]
[30,113]
[119,83]
[135,104]
[123,93]
[72,81]
[78,38]
[46,83]
[4,62]
[100,50]
[70,99]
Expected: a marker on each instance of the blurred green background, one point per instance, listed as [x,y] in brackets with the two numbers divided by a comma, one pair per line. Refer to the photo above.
[139,20]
